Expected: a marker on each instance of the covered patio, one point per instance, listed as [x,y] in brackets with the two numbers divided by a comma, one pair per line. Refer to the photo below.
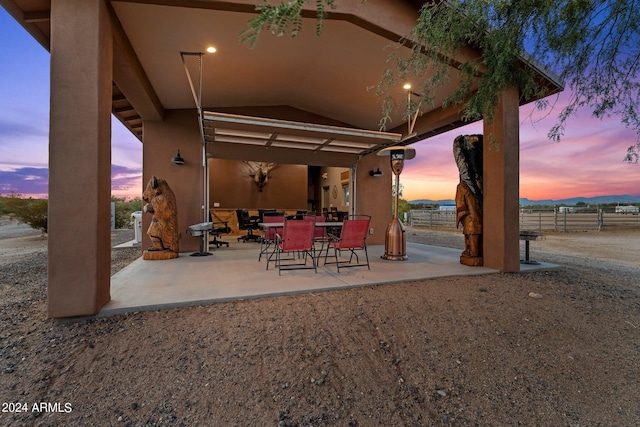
[127,59]
[234,273]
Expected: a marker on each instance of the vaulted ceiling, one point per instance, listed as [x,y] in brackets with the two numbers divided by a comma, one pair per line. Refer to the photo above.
[330,77]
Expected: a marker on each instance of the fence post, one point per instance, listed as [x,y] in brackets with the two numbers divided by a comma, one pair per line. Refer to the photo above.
[600,219]
[555,219]
[564,220]
[521,216]
[540,221]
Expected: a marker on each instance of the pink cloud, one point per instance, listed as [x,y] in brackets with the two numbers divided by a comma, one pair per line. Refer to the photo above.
[588,161]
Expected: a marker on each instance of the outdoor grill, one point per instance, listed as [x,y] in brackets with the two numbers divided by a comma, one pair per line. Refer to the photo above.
[201,230]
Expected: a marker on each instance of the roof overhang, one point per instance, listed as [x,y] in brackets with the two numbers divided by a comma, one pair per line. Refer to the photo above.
[324,76]
[232,136]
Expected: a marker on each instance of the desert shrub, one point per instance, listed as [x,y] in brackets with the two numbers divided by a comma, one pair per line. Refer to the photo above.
[124,209]
[403,207]
[32,212]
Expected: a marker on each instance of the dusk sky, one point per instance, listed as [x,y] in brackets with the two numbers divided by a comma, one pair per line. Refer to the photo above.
[587,162]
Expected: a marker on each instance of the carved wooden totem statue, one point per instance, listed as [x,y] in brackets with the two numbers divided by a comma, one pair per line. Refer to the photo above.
[467,150]
[163,230]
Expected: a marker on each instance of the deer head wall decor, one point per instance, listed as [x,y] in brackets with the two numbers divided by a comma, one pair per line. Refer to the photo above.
[260,172]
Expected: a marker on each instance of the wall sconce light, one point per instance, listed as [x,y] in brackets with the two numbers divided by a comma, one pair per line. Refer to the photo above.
[177,159]
[376,172]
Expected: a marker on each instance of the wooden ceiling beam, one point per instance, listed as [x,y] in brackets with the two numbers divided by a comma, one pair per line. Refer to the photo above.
[36,16]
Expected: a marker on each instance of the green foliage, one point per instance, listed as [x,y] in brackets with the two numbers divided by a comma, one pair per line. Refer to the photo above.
[279,18]
[403,207]
[593,46]
[633,154]
[442,31]
[32,212]
[124,209]
[135,204]
[423,206]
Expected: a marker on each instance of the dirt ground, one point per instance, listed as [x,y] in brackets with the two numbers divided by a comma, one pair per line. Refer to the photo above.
[556,348]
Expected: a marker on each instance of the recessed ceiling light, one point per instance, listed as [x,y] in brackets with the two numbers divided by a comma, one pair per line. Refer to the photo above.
[211,49]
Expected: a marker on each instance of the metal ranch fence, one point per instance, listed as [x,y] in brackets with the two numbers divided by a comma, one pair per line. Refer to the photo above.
[567,219]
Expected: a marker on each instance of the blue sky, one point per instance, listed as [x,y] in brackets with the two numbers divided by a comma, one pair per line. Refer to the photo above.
[24,121]
[587,162]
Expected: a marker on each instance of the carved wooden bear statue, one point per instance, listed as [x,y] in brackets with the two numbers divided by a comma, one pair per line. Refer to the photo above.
[163,230]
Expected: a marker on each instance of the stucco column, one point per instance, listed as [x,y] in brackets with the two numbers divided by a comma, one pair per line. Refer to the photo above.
[80,158]
[374,196]
[501,185]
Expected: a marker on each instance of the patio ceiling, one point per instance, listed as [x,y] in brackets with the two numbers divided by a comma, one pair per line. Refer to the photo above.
[329,78]
[244,137]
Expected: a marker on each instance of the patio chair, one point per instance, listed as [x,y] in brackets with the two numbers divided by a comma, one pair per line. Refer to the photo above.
[353,237]
[219,228]
[296,238]
[262,212]
[333,212]
[298,215]
[269,233]
[320,234]
[330,214]
[248,223]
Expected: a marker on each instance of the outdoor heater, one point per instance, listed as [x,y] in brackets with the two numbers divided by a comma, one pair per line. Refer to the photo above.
[395,243]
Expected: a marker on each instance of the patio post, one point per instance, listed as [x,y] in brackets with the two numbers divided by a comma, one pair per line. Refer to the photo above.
[501,152]
[79,246]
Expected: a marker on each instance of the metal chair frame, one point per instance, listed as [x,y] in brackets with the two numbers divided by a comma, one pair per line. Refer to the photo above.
[353,237]
[296,238]
[269,234]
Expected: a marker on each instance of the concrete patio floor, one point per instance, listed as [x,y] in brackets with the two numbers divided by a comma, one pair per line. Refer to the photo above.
[235,273]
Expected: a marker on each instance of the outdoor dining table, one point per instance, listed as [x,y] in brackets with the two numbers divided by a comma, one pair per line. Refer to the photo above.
[324,224]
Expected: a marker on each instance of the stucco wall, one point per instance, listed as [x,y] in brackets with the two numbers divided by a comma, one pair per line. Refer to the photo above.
[333,179]
[374,197]
[232,187]
[162,139]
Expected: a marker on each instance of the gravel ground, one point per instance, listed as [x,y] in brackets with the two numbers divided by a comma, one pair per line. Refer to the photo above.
[557,348]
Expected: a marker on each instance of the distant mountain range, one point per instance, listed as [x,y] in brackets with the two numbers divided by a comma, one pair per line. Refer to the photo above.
[600,200]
